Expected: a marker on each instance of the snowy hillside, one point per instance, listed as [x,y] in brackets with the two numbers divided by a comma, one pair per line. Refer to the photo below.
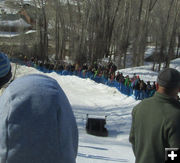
[97,100]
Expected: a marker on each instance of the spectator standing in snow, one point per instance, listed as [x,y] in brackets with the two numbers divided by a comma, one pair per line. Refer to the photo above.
[148,89]
[5,72]
[156,120]
[154,86]
[142,89]
[137,89]
[37,124]
[118,76]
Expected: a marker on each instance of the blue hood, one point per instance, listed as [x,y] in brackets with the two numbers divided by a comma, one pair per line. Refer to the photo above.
[37,124]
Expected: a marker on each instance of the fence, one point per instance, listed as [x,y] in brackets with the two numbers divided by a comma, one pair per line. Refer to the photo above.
[127,90]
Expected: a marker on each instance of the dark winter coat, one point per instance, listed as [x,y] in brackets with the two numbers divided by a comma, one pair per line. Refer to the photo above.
[37,124]
[137,85]
[155,126]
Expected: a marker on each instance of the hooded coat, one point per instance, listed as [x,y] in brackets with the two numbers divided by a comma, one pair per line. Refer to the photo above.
[37,124]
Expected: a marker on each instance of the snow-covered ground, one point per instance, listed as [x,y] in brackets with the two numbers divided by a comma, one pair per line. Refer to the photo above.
[14,34]
[20,23]
[97,100]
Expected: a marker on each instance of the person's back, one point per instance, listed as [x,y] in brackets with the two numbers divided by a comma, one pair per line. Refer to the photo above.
[156,121]
[36,123]
[154,118]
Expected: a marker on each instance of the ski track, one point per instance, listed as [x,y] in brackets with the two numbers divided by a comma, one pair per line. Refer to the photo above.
[98,100]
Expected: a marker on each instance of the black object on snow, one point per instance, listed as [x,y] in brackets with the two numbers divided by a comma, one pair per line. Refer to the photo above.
[96,126]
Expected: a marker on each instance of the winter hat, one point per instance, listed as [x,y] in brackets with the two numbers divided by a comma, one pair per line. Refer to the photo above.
[169,78]
[5,69]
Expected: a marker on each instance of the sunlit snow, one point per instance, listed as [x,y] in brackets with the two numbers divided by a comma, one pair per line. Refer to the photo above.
[98,100]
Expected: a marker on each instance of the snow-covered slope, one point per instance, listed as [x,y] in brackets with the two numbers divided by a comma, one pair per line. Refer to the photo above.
[97,100]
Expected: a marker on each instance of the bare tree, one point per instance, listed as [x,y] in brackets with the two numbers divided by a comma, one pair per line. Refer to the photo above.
[88,30]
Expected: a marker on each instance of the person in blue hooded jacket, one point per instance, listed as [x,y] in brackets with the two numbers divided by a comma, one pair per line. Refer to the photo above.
[5,72]
[37,124]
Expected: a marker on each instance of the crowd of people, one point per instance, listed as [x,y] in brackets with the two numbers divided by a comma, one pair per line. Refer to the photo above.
[38,126]
[141,89]
[101,73]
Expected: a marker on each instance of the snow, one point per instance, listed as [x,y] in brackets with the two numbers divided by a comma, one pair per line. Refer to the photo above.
[30,31]
[9,34]
[98,100]
[149,51]
[15,23]
[15,34]
[6,8]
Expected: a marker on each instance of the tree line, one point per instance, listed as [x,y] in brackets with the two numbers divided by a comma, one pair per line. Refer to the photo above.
[89,30]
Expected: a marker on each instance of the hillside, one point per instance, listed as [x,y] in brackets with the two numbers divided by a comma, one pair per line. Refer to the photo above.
[97,100]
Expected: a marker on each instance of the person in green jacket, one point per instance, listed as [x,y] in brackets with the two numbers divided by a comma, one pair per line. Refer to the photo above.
[156,120]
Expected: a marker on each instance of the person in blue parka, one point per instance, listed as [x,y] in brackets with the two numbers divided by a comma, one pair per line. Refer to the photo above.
[5,72]
[37,124]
